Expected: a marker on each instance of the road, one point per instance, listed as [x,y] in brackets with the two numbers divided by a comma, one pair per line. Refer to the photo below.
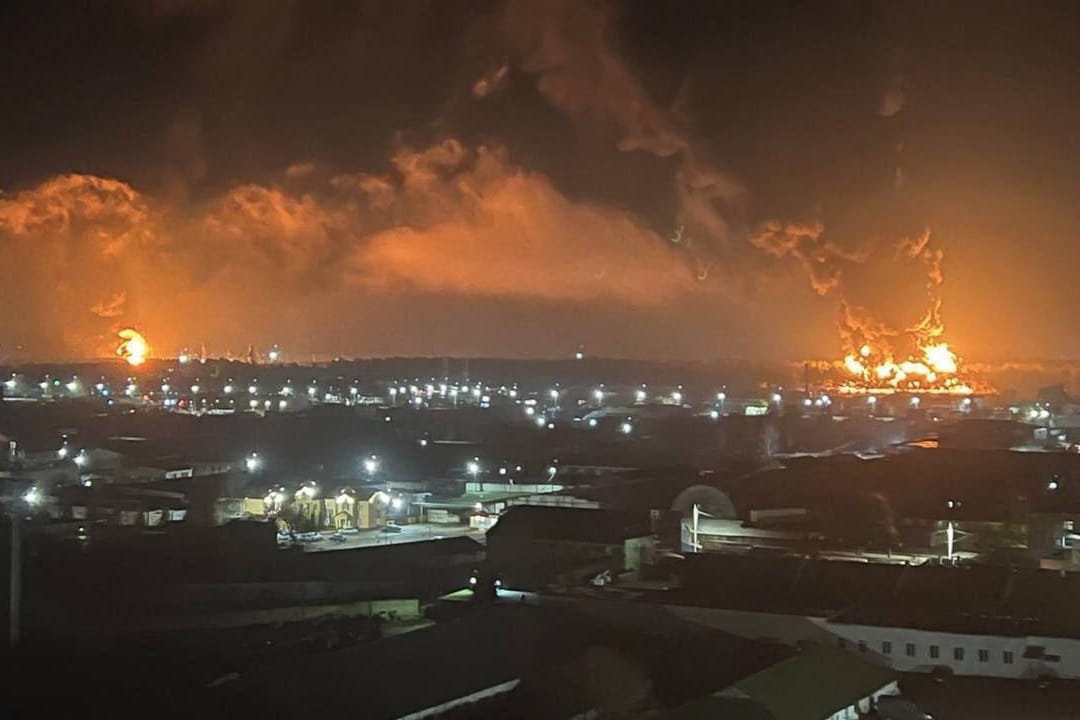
[409,533]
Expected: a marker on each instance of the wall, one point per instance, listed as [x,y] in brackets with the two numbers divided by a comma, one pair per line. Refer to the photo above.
[792,629]
[476,488]
[638,552]
[1067,650]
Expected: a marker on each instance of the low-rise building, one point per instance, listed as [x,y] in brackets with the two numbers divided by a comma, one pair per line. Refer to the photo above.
[532,546]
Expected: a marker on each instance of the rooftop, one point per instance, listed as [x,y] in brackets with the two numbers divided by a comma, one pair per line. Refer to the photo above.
[565,523]
[979,599]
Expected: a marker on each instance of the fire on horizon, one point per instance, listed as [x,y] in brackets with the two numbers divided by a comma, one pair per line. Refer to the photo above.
[538,175]
[133,347]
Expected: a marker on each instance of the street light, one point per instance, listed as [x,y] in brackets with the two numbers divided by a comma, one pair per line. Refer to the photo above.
[371,464]
[33,496]
[274,500]
[307,492]
[253,462]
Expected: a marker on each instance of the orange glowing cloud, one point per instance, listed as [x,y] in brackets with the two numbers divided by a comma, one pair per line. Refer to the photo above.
[492,229]
[78,242]
[99,256]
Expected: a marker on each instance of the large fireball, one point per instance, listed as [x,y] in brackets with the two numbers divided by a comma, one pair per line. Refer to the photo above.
[133,346]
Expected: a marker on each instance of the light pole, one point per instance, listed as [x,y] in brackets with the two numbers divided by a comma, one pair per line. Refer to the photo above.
[30,497]
[473,468]
[16,576]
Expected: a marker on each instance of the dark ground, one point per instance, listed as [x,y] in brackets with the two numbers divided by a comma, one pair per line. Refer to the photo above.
[990,699]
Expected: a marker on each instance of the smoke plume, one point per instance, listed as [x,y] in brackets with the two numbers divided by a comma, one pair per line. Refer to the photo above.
[566,46]
[95,254]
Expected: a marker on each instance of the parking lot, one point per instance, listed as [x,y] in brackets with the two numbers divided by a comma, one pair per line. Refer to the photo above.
[415,532]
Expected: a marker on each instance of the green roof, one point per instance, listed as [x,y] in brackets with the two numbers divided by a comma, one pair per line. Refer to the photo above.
[815,683]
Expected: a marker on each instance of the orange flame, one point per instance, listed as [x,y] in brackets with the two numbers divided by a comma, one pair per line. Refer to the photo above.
[935,370]
[133,346]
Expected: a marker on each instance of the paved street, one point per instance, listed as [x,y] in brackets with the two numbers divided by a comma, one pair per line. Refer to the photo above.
[409,533]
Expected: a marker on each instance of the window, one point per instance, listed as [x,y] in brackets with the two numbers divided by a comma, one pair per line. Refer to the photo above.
[934,650]
[958,653]
[862,646]
[984,656]
[886,647]
[909,649]
[1007,657]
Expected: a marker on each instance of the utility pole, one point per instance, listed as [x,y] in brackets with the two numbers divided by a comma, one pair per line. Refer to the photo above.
[694,529]
[16,577]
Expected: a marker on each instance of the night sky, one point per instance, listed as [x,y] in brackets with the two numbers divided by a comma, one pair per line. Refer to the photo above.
[693,179]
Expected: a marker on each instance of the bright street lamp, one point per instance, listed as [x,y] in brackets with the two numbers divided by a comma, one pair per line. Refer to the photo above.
[371,464]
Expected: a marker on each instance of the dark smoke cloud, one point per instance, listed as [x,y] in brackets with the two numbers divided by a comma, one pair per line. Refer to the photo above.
[823,261]
[567,46]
